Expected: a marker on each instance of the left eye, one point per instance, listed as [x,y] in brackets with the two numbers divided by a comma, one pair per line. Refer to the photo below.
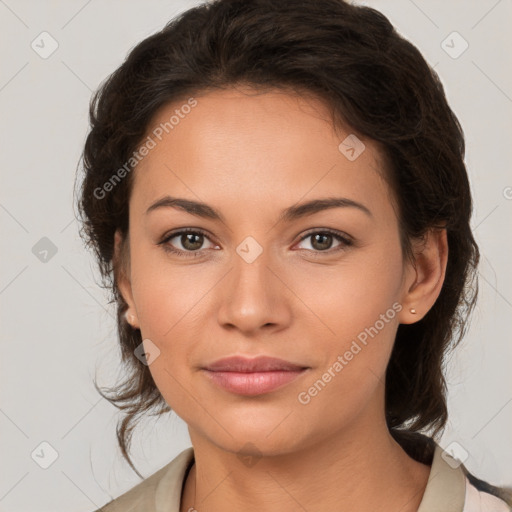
[322,241]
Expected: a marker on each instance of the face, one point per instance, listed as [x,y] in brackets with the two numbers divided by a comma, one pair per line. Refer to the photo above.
[320,287]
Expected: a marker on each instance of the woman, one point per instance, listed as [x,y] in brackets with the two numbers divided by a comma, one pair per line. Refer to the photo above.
[277,198]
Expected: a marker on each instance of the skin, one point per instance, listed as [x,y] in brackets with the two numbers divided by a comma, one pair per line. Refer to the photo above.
[249,157]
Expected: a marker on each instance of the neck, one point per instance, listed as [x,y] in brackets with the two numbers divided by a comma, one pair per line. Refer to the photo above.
[355,470]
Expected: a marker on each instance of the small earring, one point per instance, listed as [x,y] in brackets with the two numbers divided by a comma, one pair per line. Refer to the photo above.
[413,311]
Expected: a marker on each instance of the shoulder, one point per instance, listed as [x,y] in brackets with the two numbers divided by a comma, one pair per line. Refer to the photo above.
[162,488]
[481,496]
[452,487]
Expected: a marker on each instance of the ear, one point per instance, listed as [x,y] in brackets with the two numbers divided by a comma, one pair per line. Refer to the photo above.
[425,278]
[121,267]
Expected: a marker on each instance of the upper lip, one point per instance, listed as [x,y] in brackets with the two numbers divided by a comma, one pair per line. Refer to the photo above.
[256,364]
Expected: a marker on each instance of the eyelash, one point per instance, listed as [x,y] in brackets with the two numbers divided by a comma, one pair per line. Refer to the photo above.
[345,241]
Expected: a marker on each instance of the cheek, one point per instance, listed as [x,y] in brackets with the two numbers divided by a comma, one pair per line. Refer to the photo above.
[353,352]
[167,294]
[340,301]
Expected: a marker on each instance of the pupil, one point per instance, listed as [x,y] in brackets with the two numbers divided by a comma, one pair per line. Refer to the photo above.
[321,236]
[188,243]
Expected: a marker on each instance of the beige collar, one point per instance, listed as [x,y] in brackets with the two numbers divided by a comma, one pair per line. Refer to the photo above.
[168,491]
[446,485]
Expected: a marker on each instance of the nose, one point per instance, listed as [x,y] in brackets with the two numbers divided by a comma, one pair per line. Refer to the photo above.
[254,296]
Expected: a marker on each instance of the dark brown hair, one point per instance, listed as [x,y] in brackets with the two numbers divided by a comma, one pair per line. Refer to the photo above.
[373,81]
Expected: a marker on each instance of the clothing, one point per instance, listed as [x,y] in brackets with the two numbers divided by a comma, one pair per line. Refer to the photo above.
[450,488]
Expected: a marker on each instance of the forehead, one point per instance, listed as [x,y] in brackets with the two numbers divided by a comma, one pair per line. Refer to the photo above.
[253,147]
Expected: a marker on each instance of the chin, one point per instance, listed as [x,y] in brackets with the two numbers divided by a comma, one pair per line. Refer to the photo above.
[262,429]
[258,444]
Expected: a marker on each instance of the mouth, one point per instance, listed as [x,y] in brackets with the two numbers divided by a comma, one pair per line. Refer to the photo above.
[252,377]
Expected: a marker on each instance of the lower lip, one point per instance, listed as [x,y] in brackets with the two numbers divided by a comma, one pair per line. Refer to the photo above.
[254,383]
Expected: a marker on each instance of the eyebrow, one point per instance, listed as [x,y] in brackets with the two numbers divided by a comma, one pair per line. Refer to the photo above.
[287,215]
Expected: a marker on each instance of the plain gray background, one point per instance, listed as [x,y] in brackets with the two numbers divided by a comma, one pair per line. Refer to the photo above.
[56,327]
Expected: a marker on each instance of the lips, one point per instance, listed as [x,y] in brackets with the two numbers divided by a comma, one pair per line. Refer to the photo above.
[257,364]
[251,377]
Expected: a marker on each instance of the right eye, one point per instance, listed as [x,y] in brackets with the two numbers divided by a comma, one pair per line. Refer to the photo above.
[190,239]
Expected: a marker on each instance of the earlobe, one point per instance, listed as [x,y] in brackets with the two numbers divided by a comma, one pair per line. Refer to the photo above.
[131,319]
[431,257]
